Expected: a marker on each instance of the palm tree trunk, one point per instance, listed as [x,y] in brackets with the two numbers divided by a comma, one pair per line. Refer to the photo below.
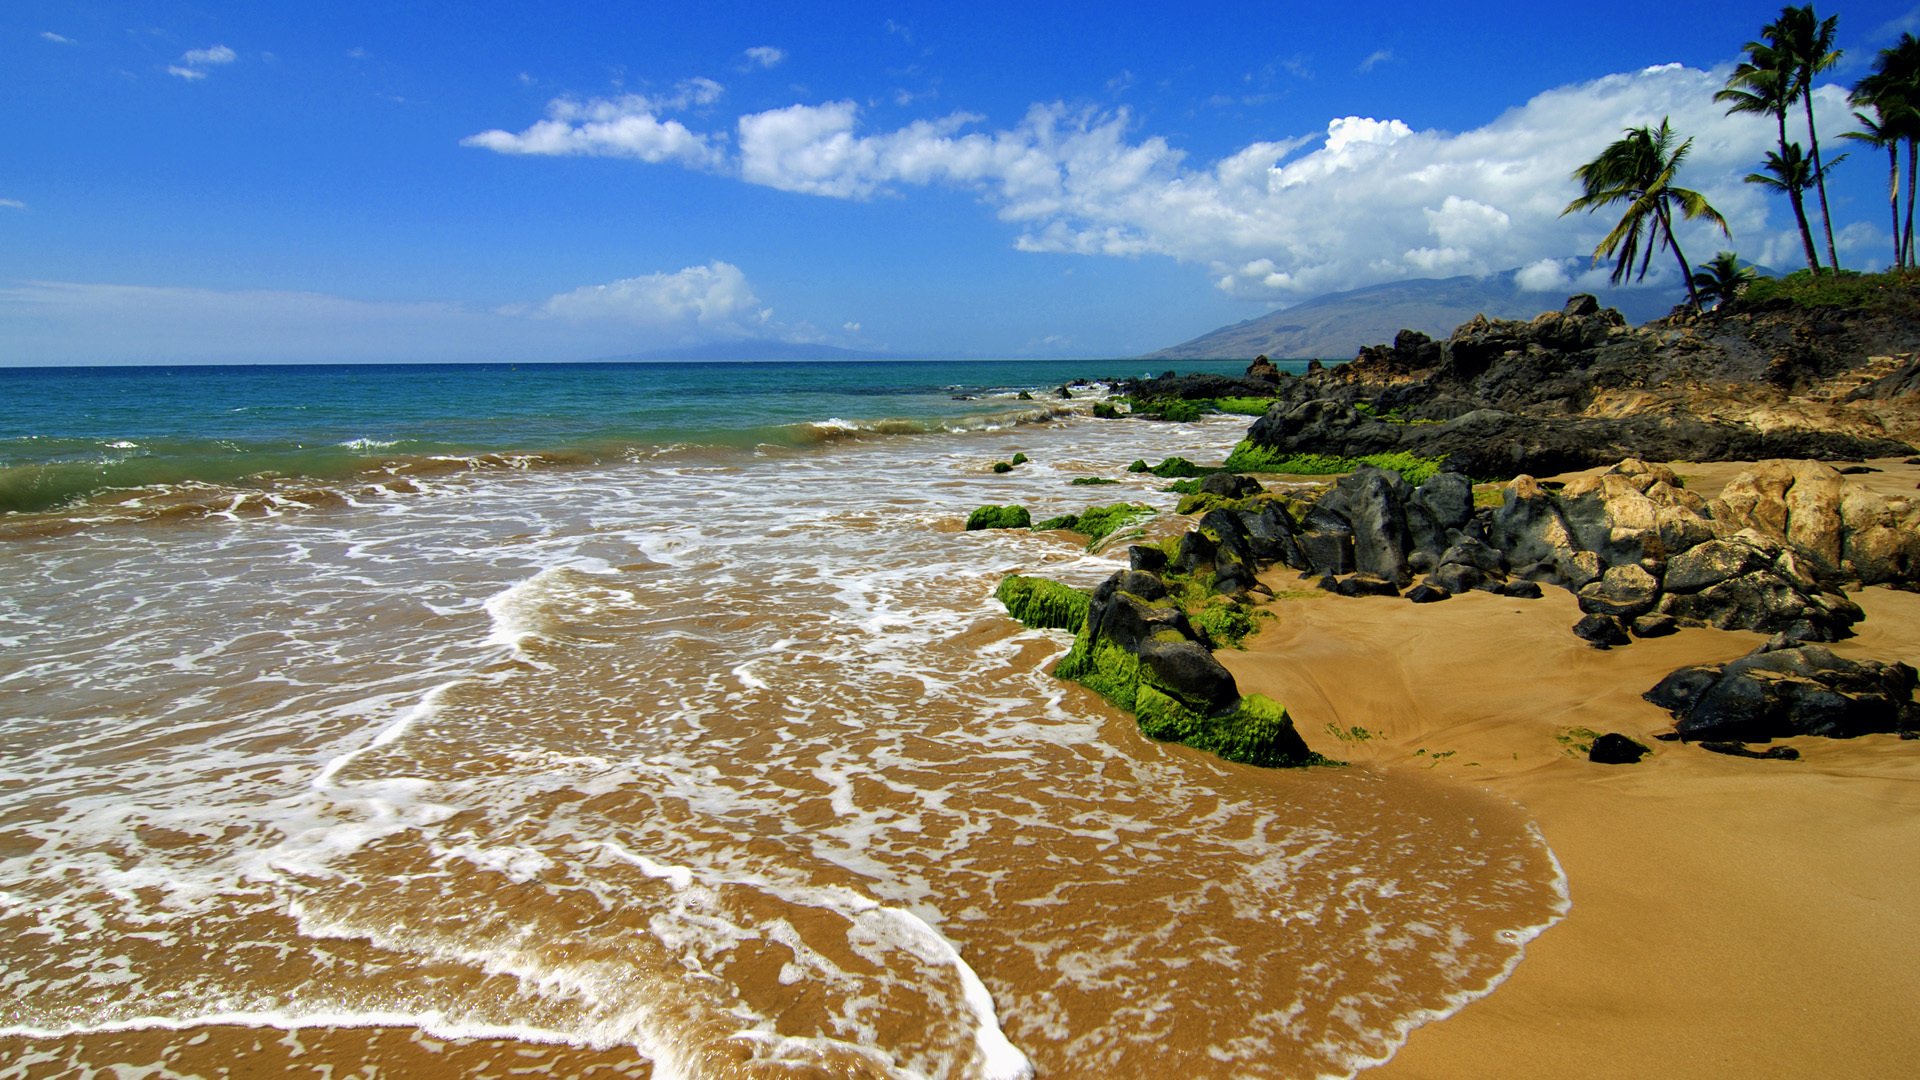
[1799,201]
[1820,177]
[1686,272]
[1893,203]
[1797,198]
[1913,160]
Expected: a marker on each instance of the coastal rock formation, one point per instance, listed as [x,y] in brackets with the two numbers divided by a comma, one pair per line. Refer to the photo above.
[1139,649]
[1644,554]
[1782,690]
[1579,388]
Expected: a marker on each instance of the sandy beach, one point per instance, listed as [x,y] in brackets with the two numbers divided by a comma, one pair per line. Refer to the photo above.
[1730,918]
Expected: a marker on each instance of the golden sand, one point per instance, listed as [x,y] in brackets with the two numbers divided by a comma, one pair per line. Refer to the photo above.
[1731,917]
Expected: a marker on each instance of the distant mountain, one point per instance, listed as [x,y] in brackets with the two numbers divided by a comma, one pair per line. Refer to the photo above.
[754,349]
[1335,326]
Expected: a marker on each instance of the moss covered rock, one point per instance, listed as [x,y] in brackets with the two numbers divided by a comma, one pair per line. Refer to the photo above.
[1138,649]
[999,517]
[1043,604]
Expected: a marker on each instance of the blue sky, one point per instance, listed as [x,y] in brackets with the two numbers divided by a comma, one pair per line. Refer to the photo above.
[241,182]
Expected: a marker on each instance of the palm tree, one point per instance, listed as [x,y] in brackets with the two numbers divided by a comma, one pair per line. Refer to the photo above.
[1722,278]
[1792,173]
[1880,131]
[1893,92]
[1762,84]
[1638,168]
[1805,41]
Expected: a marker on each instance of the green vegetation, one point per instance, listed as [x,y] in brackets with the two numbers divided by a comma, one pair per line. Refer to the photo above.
[1019,459]
[1090,481]
[1354,734]
[1489,495]
[1576,741]
[1249,457]
[1242,406]
[1043,604]
[1890,98]
[1181,487]
[1098,522]
[1105,410]
[1177,410]
[1638,169]
[1002,467]
[1864,292]
[1257,731]
[1170,468]
[1227,624]
[999,517]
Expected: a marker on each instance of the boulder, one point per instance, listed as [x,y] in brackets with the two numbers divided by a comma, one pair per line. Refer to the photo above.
[1456,577]
[1734,749]
[1230,485]
[1624,591]
[1428,593]
[1601,631]
[1614,748]
[1777,692]
[1372,502]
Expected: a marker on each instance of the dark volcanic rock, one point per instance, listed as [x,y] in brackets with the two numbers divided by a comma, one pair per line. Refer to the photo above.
[1614,748]
[1652,626]
[1427,593]
[1230,485]
[1373,504]
[1601,631]
[1625,591]
[1364,585]
[1734,749]
[1778,692]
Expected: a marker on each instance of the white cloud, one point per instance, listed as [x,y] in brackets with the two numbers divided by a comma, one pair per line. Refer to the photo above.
[12,204]
[57,39]
[194,62]
[1375,59]
[715,299]
[765,56]
[213,55]
[627,126]
[1367,199]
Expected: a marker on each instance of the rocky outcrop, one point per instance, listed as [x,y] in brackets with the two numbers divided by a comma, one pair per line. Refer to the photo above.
[1491,443]
[1644,554]
[1139,649]
[1782,690]
[1577,388]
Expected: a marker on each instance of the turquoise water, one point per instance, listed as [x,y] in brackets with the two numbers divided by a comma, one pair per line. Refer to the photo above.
[69,433]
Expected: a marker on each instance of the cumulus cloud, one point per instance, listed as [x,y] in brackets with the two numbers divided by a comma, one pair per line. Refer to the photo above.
[1363,200]
[194,63]
[764,56]
[213,55]
[714,299]
[628,126]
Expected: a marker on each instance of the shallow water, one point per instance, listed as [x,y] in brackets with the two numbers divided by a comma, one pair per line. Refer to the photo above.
[720,762]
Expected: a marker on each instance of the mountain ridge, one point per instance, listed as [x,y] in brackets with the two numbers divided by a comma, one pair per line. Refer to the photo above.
[1335,326]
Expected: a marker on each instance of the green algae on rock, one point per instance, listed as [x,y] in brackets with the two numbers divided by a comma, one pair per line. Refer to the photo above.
[999,517]
[1043,604]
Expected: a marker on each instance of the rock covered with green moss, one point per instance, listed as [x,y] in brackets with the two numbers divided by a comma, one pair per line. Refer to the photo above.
[1097,523]
[1042,604]
[1139,650]
[999,517]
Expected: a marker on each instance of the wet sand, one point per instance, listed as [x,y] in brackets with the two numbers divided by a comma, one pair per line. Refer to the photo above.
[1731,917]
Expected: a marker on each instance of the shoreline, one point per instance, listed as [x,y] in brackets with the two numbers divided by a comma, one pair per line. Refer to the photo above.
[1742,917]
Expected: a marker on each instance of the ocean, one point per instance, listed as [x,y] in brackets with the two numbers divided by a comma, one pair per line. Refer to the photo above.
[654,720]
